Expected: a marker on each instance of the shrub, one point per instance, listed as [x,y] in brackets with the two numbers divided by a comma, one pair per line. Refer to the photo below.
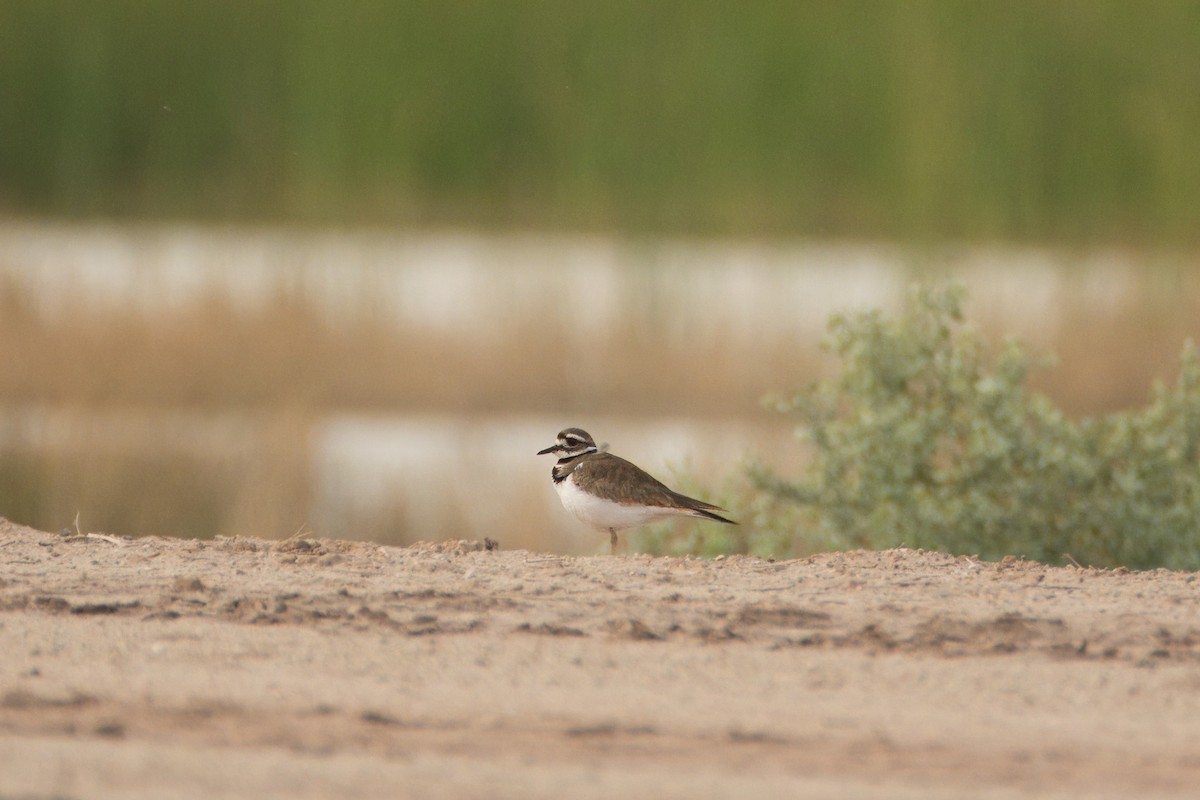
[928,437]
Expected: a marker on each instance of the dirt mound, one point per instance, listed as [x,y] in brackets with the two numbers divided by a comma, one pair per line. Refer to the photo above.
[313,668]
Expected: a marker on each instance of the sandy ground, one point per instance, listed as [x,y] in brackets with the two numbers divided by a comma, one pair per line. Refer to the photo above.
[159,668]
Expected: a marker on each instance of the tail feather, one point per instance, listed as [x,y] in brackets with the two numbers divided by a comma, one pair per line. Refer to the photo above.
[705,513]
[698,508]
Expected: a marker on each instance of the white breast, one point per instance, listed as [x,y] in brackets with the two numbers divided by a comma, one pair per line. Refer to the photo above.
[604,514]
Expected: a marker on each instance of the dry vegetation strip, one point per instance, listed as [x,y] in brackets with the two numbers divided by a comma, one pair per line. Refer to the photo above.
[215,354]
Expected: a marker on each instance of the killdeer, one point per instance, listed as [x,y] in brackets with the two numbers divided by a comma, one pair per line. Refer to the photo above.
[609,493]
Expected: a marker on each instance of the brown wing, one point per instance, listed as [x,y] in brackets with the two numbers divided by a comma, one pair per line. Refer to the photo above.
[616,479]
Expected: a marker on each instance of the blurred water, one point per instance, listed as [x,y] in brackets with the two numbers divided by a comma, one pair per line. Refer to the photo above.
[449,281]
[472,478]
[392,477]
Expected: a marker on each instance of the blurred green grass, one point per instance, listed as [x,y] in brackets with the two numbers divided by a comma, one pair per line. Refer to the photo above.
[1027,119]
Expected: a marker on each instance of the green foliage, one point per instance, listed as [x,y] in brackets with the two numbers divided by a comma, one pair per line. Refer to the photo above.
[928,438]
[1019,119]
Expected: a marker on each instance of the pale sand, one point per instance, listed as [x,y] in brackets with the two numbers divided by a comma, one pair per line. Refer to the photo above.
[162,668]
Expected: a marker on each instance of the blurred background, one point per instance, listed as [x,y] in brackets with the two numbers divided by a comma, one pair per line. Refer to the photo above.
[342,268]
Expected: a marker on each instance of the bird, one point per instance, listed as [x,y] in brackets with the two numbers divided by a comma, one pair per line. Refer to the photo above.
[609,493]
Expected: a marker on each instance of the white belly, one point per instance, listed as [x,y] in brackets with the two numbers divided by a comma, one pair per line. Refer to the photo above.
[604,514]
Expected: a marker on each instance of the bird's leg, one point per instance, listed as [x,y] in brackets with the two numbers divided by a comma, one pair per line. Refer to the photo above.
[612,532]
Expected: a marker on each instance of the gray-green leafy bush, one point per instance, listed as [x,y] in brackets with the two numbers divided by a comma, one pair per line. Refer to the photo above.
[928,437]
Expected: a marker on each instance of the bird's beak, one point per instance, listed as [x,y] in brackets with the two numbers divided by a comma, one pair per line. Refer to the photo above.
[554,448]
